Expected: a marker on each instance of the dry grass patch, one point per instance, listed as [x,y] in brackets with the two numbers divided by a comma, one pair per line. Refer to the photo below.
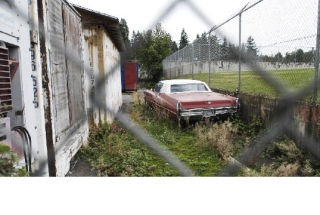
[138,98]
[217,136]
[285,170]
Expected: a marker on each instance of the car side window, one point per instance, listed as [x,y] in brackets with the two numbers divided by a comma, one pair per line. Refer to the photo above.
[158,87]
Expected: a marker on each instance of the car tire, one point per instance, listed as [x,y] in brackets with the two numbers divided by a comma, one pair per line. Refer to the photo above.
[145,101]
[181,121]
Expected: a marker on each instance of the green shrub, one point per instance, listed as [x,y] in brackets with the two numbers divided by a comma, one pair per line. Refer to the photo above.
[8,163]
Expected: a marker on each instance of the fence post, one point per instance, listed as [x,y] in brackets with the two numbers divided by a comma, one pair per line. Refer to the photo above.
[192,58]
[177,56]
[316,61]
[180,60]
[209,60]
[240,50]
[170,69]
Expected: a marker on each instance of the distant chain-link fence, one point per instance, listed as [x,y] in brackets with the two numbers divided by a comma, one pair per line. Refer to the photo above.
[280,39]
[215,48]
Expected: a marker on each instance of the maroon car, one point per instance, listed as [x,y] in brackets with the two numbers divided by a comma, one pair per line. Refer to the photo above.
[190,100]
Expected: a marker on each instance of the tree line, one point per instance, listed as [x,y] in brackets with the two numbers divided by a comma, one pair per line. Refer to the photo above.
[149,48]
[298,56]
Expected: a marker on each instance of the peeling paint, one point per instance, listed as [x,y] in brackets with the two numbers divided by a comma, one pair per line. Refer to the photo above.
[47,93]
[103,56]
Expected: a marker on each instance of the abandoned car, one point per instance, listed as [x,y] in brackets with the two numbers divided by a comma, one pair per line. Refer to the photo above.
[190,100]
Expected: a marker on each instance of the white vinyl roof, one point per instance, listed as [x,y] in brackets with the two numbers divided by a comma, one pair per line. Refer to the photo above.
[180,81]
[167,84]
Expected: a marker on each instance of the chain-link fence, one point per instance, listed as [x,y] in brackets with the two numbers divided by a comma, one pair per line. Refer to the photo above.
[209,56]
[280,43]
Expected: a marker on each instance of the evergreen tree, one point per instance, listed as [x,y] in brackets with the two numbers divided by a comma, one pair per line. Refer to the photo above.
[308,57]
[299,56]
[232,52]
[136,43]
[184,40]
[278,57]
[224,49]
[155,46]
[124,29]
[215,46]
[252,49]
[204,55]
[289,58]
[174,46]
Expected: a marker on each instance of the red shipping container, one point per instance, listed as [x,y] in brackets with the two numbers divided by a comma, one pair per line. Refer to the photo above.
[131,76]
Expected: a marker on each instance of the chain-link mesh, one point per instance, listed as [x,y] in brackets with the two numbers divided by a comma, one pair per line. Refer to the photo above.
[216,56]
[282,47]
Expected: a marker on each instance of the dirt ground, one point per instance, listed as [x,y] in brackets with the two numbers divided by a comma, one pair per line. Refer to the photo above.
[81,168]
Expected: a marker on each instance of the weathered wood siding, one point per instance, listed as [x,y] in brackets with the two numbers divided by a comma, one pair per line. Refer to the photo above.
[66,65]
[72,28]
[69,118]
[58,66]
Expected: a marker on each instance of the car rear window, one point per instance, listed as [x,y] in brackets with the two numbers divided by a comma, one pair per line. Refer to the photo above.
[178,88]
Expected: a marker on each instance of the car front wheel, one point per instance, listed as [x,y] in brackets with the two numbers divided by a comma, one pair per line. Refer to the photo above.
[145,101]
[181,121]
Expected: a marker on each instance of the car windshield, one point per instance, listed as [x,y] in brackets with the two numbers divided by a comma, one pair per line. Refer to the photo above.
[198,87]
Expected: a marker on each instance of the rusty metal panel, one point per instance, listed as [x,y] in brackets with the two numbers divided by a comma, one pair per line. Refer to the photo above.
[72,29]
[58,66]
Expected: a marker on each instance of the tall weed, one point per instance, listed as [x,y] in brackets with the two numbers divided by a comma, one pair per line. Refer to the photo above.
[216,136]
[138,98]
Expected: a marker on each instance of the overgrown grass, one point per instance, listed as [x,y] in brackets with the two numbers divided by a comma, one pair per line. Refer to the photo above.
[284,158]
[112,151]
[251,82]
[183,143]
[217,136]
[204,147]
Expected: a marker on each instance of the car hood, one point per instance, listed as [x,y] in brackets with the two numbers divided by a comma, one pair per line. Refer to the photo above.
[203,99]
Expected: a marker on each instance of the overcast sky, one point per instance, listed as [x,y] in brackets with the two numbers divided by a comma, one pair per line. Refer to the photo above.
[272,21]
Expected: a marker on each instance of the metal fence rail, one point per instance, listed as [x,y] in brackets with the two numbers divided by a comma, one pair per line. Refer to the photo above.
[202,50]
